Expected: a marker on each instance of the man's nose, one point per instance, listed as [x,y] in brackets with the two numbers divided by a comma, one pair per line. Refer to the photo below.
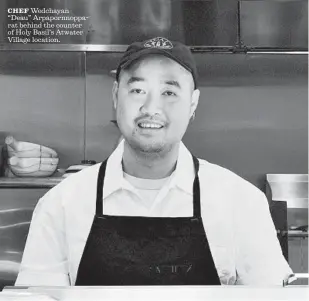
[152,104]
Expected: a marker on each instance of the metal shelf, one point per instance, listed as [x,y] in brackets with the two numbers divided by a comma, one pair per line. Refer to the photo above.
[295,203]
[122,48]
[29,182]
[63,47]
[293,233]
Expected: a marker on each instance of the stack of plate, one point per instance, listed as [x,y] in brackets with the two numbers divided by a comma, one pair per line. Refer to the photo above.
[27,159]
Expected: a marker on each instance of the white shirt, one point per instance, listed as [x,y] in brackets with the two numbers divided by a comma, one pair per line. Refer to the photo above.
[147,189]
[235,214]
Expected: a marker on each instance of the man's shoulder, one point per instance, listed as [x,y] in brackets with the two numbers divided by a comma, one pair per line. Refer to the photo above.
[90,172]
[80,178]
[76,185]
[207,168]
[223,178]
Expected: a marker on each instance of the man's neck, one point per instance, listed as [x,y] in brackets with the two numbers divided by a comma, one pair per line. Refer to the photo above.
[149,166]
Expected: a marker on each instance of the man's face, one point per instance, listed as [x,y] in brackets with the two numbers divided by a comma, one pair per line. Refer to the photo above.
[154,100]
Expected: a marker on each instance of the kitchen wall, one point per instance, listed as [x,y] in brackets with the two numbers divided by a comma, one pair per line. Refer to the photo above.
[42,102]
[252,116]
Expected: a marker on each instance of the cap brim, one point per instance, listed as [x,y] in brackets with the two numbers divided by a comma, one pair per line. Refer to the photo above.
[142,53]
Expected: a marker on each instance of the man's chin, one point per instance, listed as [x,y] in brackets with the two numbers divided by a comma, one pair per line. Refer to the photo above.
[149,147]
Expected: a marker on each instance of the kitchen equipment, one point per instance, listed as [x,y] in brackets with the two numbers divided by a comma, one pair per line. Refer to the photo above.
[303,228]
[291,191]
[292,188]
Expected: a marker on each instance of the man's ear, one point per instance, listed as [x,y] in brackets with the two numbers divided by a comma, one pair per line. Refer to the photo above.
[194,100]
[115,94]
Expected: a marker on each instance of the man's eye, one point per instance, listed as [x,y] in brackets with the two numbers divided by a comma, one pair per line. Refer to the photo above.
[169,93]
[137,91]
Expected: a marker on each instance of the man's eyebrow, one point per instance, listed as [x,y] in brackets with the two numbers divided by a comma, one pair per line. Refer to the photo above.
[173,83]
[134,79]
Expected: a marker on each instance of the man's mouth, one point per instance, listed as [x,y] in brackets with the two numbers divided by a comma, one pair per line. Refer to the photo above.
[150,125]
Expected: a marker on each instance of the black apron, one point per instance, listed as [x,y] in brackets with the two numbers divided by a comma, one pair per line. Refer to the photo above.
[135,250]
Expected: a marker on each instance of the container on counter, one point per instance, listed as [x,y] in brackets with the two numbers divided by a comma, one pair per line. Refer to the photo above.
[291,188]
[1,162]
[78,167]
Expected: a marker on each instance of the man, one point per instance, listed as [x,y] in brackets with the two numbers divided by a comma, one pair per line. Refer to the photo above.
[153,214]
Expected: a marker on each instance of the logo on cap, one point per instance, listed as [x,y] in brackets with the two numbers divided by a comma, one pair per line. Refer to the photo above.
[161,43]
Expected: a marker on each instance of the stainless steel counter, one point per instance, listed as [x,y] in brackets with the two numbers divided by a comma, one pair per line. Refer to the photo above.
[167,293]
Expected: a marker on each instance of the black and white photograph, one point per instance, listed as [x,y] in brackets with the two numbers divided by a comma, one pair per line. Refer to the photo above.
[154,150]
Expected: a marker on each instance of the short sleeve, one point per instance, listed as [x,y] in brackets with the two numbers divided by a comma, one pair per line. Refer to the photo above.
[45,259]
[259,258]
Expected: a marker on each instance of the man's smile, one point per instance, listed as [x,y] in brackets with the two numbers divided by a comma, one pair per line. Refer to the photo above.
[149,125]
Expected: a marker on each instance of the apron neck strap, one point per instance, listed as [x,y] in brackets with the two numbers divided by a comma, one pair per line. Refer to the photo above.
[100,182]
[196,189]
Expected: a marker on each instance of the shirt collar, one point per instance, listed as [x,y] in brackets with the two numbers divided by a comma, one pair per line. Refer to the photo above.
[184,173]
[114,174]
[182,177]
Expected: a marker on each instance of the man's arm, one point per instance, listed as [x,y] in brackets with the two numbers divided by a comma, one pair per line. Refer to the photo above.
[44,259]
[259,258]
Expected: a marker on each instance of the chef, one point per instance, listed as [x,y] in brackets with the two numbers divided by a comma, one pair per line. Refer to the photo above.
[153,213]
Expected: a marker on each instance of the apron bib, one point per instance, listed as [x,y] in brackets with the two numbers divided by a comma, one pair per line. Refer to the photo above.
[134,250]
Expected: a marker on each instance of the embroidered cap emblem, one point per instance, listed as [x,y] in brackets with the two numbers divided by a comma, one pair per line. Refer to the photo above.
[161,43]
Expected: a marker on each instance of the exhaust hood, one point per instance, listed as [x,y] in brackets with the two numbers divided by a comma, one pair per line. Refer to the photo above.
[205,25]
[274,24]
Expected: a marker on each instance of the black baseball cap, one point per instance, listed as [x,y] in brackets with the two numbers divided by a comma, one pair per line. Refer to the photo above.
[171,49]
